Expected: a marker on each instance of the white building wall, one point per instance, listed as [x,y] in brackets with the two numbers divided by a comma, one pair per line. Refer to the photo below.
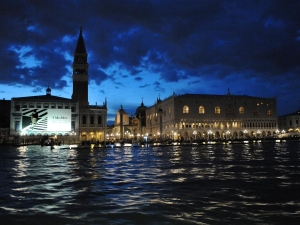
[238,116]
[22,106]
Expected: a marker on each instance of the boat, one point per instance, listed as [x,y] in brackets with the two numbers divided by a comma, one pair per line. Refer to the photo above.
[135,144]
[127,144]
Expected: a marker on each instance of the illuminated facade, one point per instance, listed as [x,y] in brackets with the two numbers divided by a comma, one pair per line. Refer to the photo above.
[128,127]
[93,122]
[200,116]
[44,115]
[289,125]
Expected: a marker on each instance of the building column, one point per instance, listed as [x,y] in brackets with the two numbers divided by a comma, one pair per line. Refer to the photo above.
[160,112]
[121,111]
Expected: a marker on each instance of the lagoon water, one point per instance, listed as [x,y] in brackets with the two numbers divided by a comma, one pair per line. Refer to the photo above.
[255,183]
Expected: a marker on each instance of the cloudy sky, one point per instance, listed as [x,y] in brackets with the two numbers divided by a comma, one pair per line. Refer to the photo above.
[142,50]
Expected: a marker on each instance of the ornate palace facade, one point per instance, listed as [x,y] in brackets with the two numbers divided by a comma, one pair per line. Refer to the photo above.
[201,116]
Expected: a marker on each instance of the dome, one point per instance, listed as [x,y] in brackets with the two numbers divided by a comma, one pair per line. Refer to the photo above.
[48,91]
[140,111]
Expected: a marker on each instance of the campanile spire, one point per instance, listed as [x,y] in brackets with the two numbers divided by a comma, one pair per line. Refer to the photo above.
[80,72]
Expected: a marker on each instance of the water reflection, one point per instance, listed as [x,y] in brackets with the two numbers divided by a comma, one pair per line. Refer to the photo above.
[213,184]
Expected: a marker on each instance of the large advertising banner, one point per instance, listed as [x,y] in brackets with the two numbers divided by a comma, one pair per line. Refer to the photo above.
[59,119]
[42,121]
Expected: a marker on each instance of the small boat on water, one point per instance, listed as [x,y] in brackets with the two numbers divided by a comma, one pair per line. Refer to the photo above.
[127,144]
[113,145]
[135,144]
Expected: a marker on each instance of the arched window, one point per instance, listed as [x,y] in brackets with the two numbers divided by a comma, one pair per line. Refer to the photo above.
[185,109]
[241,110]
[92,119]
[99,119]
[83,119]
[269,113]
[201,110]
[217,110]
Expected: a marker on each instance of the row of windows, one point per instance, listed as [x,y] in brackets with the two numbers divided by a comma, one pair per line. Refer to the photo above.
[186,110]
[80,71]
[91,119]
[224,125]
[46,106]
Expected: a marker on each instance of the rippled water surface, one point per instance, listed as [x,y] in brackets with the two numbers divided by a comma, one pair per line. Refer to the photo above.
[208,184]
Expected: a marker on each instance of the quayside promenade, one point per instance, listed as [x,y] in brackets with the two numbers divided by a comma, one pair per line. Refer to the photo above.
[59,141]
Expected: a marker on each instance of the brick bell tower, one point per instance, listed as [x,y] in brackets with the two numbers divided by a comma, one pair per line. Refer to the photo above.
[80,73]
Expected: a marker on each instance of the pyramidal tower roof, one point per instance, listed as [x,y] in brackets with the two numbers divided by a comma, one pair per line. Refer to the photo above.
[80,47]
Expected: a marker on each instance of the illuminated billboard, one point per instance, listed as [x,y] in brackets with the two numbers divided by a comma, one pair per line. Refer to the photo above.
[59,119]
[42,121]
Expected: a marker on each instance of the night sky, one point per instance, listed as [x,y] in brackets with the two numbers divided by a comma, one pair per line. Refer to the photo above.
[142,50]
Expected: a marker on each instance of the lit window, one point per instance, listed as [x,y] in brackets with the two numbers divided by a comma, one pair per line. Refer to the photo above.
[241,110]
[201,110]
[217,110]
[185,109]
[269,113]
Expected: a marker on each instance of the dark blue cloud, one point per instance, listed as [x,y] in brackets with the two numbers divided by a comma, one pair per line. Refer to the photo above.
[210,40]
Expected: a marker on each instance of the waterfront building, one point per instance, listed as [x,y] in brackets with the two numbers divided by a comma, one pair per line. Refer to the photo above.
[129,127]
[4,119]
[207,117]
[289,124]
[62,116]
[44,115]
[140,114]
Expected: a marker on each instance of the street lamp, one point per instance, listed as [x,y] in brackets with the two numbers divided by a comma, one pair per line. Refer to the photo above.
[146,138]
[195,133]
[158,135]
[227,134]
[245,133]
[127,133]
[258,133]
